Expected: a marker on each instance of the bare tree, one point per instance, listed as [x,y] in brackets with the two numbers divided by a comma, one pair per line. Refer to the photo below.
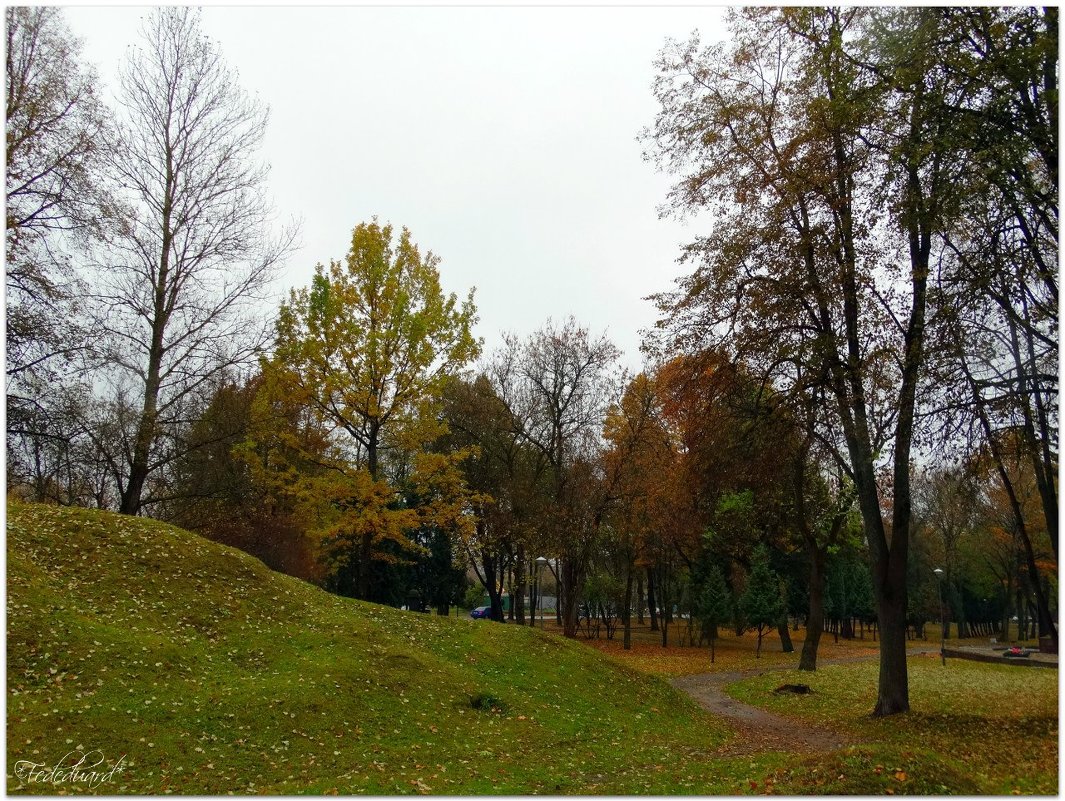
[946,502]
[558,385]
[178,302]
[56,199]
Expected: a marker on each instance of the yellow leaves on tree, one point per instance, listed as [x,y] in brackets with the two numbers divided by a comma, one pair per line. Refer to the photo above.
[357,508]
[360,362]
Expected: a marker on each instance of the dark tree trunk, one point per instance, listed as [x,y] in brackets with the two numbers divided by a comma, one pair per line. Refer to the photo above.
[889,553]
[570,570]
[1022,615]
[130,501]
[652,602]
[665,617]
[509,575]
[366,542]
[495,597]
[627,609]
[558,592]
[492,574]
[894,691]
[639,597]
[534,595]
[517,596]
[785,638]
[139,467]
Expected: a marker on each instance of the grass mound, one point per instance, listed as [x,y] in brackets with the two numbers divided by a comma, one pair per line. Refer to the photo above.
[197,670]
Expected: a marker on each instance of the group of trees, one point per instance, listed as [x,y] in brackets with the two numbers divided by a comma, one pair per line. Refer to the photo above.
[139,248]
[855,384]
[884,249]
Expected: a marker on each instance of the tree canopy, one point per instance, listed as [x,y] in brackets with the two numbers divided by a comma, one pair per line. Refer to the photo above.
[367,349]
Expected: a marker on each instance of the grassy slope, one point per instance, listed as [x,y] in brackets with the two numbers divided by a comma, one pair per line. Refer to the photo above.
[213,674]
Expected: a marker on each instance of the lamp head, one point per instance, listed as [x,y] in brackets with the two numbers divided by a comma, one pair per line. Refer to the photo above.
[939,572]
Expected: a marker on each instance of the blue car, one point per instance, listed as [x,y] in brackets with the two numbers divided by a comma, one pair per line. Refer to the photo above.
[481,611]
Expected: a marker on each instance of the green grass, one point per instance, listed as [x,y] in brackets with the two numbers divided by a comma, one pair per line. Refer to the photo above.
[211,674]
[206,673]
[972,728]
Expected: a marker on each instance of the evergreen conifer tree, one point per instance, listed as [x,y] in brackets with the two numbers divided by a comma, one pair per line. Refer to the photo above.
[714,605]
[762,602]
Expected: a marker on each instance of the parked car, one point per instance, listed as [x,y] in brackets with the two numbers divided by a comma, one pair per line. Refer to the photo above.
[481,611]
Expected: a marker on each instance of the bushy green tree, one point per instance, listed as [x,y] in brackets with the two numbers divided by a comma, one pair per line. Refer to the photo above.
[714,605]
[762,602]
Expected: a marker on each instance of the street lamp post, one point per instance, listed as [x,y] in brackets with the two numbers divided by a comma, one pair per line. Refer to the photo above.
[540,562]
[943,618]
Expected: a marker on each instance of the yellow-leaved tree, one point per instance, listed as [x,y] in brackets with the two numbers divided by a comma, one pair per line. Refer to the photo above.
[364,352]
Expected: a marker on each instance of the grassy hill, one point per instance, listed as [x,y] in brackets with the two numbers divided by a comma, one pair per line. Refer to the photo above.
[211,674]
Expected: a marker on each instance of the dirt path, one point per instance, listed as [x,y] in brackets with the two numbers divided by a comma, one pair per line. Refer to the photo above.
[757,729]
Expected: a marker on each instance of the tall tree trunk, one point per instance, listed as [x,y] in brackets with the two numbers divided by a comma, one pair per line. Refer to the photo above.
[493,567]
[639,597]
[570,581]
[664,619]
[130,501]
[559,590]
[534,593]
[627,608]
[892,555]
[894,691]
[785,638]
[889,556]
[362,586]
[139,467]
[815,620]
[652,602]
[508,574]
[517,597]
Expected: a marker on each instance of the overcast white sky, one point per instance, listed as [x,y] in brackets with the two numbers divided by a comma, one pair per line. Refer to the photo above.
[503,138]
